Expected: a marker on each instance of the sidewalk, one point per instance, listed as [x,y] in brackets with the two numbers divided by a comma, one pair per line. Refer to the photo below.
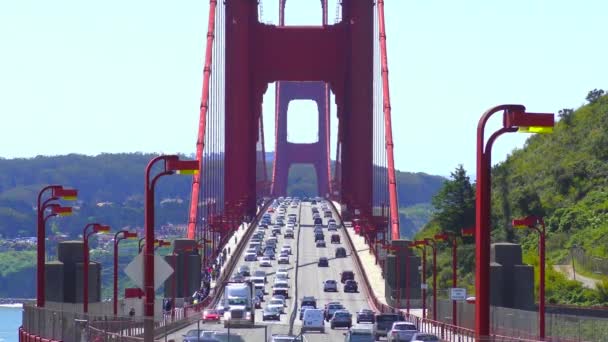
[232,245]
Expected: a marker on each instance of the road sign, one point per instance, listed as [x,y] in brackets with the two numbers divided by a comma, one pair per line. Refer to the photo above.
[457,293]
[424,286]
[135,270]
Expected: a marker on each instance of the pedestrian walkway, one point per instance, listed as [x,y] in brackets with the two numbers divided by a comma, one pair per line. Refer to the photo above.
[232,245]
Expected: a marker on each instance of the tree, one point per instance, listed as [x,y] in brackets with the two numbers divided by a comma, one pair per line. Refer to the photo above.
[565,115]
[594,95]
[455,202]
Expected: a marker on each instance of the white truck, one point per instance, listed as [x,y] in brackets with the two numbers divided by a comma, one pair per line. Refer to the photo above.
[239,307]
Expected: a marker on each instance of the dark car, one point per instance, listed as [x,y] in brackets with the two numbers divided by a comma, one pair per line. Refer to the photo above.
[384,323]
[346,275]
[318,220]
[323,262]
[340,252]
[309,301]
[351,286]
[271,314]
[341,318]
[366,315]
[335,238]
[319,236]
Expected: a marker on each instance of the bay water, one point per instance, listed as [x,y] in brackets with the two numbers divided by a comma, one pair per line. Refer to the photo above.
[10,321]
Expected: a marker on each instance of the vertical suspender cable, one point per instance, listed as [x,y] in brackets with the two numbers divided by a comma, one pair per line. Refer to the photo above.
[392,184]
[202,122]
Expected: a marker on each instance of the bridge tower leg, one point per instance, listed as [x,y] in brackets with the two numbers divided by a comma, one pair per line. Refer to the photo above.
[286,153]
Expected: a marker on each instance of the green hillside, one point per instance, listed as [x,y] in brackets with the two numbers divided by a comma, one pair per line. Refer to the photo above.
[111,191]
[560,176]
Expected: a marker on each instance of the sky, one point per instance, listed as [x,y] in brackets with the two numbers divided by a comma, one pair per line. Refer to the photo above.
[125,76]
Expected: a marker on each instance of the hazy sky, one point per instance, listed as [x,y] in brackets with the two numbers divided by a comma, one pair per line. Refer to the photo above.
[124,76]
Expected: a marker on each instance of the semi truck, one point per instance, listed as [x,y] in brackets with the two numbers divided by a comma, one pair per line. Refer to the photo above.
[239,306]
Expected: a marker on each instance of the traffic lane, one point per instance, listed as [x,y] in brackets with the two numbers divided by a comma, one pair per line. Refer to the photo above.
[271,271]
[251,334]
[353,302]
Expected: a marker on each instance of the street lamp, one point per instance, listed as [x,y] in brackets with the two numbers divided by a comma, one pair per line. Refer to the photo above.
[172,164]
[140,245]
[161,243]
[532,222]
[515,118]
[431,243]
[121,235]
[97,228]
[421,244]
[57,192]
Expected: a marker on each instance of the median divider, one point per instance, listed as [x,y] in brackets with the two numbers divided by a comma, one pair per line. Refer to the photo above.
[294,313]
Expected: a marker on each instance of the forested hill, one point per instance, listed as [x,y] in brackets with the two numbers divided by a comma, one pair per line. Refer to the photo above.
[562,177]
[111,190]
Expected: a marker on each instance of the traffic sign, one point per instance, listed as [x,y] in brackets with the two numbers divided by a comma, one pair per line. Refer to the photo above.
[424,286]
[135,270]
[457,293]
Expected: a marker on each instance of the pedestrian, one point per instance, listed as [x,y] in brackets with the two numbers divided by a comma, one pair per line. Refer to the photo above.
[132,312]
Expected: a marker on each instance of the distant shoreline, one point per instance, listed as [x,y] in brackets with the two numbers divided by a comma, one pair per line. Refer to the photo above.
[14,301]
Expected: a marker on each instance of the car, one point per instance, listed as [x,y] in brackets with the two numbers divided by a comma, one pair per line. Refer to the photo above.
[309,301]
[332,228]
[276,231]
[289,233]
[422,337]
[351,286]
[259,274]
[211,315]
[318,230]
[304,308]
[277,303]
[319,236]
[340,252]
[286,248]
[341,318]
[285,338]
[320,243]
[281,288]
[271,313]
[323,262]
[335,238]
[327,213]
[265,262]
[318,220]
[401,331]
[283,259]
[331,220]
[192,335]
[258,280]
[313,320]
[360,333]
[269,253]
[384,322]
[366,315]
[238,278]
[331,308]
[282,273]
[251,257]
[346,275]
[244,271]
[330,285]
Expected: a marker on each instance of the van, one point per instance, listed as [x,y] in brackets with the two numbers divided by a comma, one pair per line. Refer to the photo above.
[313,320]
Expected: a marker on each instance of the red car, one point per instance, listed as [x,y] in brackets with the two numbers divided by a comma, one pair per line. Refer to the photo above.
[211,315]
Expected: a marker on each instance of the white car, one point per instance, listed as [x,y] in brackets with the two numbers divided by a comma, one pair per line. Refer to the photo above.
[277,303]
[281,273]
[289,233]
[286,248]
[265,262]
[284,259]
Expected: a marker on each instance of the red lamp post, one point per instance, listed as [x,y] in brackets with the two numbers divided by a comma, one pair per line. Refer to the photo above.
[57,192]
[532,222]
[515,118]
[119,236]
[172,164]
[431,243]
[421,244]
[97,228]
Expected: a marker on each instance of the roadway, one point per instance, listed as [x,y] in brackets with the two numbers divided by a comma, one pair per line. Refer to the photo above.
[310,279]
